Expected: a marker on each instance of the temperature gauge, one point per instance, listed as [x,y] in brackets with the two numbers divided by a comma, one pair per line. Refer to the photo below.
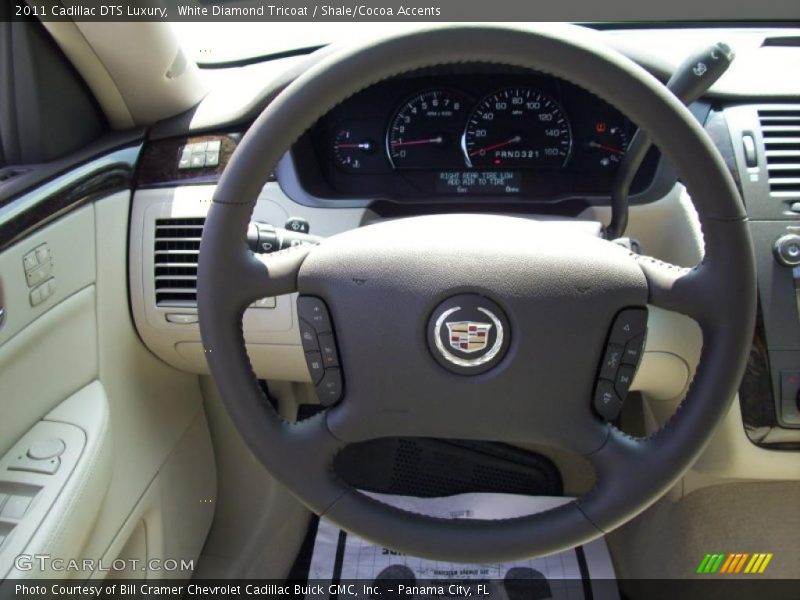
[354,149]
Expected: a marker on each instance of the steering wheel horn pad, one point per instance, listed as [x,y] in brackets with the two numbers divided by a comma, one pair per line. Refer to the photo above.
[558,294]
[545,282]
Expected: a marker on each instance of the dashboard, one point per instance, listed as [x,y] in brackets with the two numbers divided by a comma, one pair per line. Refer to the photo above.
[468,131]
[348,171]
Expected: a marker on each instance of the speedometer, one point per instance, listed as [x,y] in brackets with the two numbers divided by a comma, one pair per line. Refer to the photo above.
[517,127]
[426,129]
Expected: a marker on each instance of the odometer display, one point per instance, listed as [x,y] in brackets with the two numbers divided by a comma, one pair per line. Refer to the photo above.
[517,128]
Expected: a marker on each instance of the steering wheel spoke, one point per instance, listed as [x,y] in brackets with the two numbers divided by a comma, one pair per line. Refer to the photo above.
[240,277]
[672,287]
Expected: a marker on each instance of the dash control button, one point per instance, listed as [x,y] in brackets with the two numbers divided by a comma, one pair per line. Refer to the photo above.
[315,366]
[313,311]
[624,380]
[606,401]
[633,351]
[611,361]
[330,388]
[328,349]
[630,323]
[308,337]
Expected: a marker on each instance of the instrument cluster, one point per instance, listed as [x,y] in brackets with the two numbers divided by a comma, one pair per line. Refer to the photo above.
[479,130]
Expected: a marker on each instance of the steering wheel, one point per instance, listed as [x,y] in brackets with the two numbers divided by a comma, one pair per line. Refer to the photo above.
[550,298]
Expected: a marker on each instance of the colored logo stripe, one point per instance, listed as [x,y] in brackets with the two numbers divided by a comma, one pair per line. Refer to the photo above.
[737,562]
[711,563]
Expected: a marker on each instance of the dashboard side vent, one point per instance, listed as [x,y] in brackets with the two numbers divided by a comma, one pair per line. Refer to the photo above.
[780,128]
[177,246]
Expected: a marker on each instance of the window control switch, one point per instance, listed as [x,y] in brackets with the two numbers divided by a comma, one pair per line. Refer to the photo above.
[16,507]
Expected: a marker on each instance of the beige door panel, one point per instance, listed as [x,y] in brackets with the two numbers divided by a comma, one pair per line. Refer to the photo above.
[47,351]
[65,502]
[72,367]
[155,410]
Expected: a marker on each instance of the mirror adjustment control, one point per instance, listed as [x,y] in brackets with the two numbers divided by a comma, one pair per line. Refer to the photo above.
[46,449]
[319,344]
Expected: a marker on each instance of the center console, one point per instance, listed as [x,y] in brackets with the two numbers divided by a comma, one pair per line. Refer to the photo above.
[765,142]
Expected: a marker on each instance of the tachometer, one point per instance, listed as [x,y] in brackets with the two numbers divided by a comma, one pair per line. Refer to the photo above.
[517,128]
[426,129]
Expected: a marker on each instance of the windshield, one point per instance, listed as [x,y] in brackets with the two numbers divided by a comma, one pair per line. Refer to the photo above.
[210,43]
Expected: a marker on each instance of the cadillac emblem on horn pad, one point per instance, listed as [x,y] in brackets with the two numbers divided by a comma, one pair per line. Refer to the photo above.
[468,334]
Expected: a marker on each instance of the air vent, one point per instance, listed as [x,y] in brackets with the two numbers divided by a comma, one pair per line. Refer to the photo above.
[780,128]
[177,245]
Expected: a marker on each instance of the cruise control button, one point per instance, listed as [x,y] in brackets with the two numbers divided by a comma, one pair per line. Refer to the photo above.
[330,388]
[611,362]
[633,351]
[328,348]
[314,311]
[315,366]
[308,337]
[628,324]
[624,380]
[606,402]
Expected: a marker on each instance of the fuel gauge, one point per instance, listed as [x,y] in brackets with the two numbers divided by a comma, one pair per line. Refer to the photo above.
[607,144]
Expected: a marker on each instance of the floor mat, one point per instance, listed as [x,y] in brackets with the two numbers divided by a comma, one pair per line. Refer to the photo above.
[341,557]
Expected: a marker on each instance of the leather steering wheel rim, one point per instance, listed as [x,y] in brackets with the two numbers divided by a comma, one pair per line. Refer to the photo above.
[632,473]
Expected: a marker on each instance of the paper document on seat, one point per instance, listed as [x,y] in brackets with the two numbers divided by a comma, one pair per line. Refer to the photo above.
[560,576]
